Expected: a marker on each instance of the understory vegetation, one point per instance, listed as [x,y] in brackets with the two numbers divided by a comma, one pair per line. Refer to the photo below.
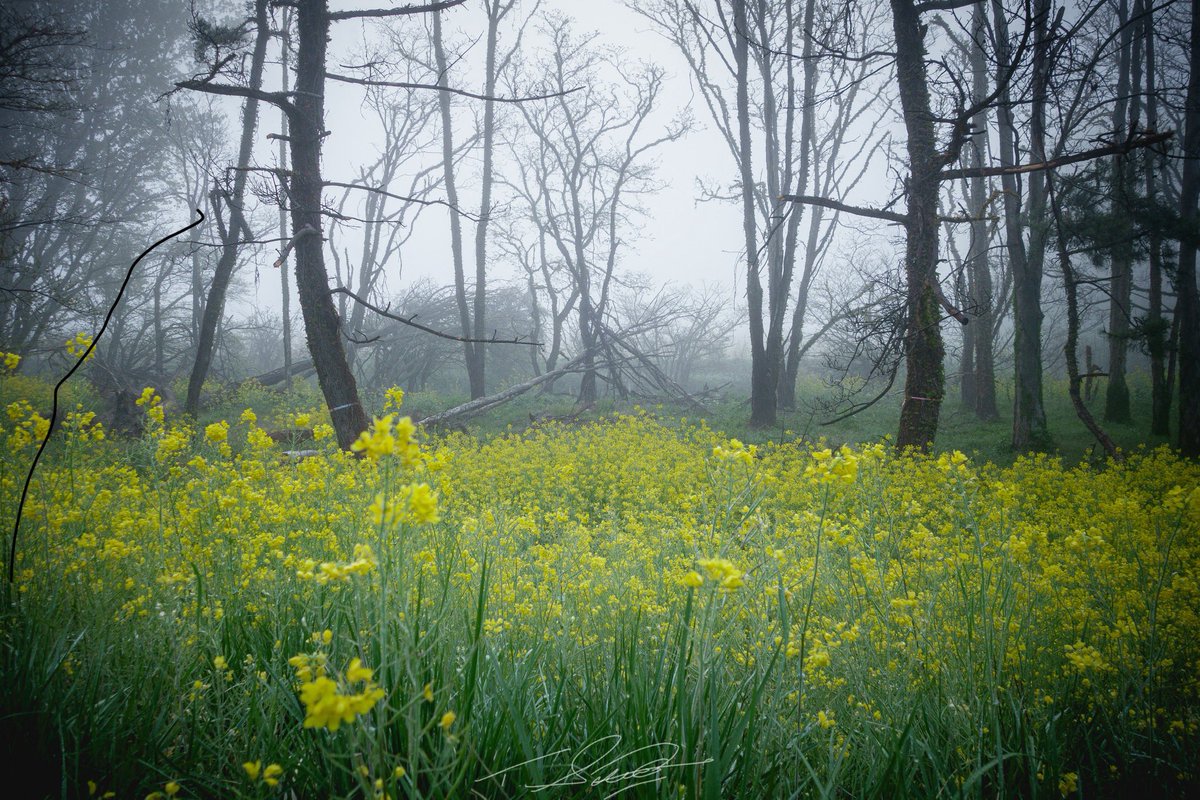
[612,608]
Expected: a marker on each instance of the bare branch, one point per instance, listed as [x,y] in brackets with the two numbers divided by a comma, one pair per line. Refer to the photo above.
[434,87]
[402,198]
[1149,140]
[943,5]
[862,211]
[300,234]
[335,16]
[410,321]
[279,99]
[482,404]
[951,309]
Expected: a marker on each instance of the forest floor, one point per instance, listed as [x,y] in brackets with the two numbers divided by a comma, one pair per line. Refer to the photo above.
[617,604]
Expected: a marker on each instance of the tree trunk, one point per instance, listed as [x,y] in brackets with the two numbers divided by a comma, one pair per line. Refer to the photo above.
[1188,304]
[924,353]
[967,389]
[1156,325]
[780,250]
[1030,431]
[1116,396]
[476,369]
[285,291]
[215,307]
[808,70]
[448,173]
[763,377]
[983,317]
[1074,381]
[321,324]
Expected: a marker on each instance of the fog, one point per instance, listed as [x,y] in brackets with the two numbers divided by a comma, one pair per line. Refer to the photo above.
[681,195]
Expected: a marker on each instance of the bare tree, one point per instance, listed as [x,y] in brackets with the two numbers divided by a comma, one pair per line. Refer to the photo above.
[305,108]
[1125,112]
[589,153]
[1188,305]
[389,212]
[228,202]
[716,42]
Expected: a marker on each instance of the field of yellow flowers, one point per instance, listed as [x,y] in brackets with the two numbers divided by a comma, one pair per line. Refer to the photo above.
[619,609]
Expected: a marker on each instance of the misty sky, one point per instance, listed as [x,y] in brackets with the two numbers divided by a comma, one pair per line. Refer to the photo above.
[681,240]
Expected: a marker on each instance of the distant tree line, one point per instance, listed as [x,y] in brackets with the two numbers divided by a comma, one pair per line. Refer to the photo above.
[1041,157]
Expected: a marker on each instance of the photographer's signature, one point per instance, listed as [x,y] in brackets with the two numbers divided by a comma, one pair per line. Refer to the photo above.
[595,765]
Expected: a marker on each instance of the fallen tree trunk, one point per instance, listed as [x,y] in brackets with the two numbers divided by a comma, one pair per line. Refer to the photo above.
[483,404]
[279,375]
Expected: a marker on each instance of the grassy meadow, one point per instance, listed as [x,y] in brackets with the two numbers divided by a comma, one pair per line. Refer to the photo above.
[634,606]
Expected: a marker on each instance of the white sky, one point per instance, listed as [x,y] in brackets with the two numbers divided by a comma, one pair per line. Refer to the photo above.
[681,240]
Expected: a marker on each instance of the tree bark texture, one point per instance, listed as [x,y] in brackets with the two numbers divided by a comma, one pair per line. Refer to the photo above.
[215,306]
[1120,286]
[763,373]
[321,324]
[1030,431]
[924,351]
[1188,304]
[979,334]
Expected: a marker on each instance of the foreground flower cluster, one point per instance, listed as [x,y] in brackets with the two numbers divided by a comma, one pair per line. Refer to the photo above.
[433,621]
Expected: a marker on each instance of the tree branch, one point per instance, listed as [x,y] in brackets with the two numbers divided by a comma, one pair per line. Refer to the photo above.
[334,16]
[434,87]
[409,321]
[951,309]
[300,234]
[862,211]
[403,198]
[1127,146]
[943,5]
[482,404]
[279,99]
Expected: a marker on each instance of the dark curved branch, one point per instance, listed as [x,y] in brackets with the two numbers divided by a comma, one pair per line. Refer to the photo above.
[862,211]
[112,309]
[1129,145]
[404,198]
[279,99]
[434,87]
[861,407]
[335,16]
[410,321]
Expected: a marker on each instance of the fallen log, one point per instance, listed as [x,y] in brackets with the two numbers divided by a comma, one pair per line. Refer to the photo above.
[484,404]
[277,375]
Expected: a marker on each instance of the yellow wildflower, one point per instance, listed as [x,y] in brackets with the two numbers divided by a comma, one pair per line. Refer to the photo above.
[271,774]
[78,344]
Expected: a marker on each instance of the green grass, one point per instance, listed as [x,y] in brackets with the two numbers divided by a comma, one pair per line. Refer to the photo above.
[959,428]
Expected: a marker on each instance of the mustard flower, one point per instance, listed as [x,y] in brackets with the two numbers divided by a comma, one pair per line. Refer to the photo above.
[78,344]
[218,432]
